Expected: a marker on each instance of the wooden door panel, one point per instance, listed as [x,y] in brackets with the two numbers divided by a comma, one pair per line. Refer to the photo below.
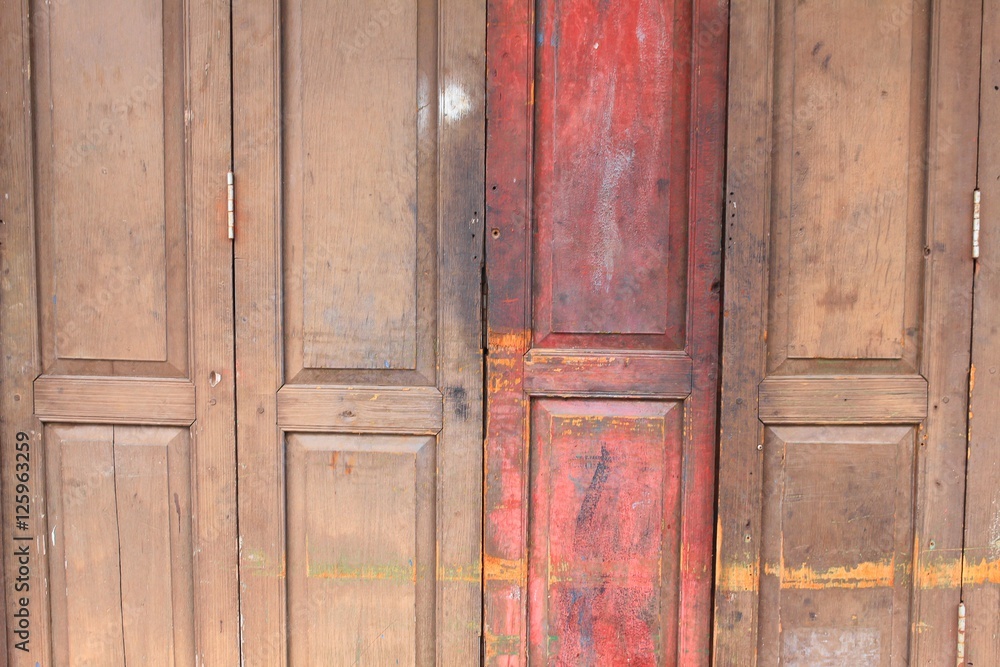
[848,212]
[350,303]
[840,499]
[359,150]
[842,448]
[610,168]
[119,501]
[605,507]
[603,166]
[116,333]
[361,542]
[110,150]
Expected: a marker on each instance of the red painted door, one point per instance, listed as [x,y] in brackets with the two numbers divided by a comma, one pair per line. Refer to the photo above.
[604,206]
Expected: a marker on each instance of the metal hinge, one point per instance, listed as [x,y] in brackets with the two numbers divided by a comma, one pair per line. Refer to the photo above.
[976,198]
[231,204]
[961,630]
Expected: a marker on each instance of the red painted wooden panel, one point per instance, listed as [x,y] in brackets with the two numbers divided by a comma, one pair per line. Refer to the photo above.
[605,489]
[609,176]
[604,206]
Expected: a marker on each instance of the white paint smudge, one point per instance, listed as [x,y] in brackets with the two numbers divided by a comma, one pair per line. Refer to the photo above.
[831,647]
[455,102]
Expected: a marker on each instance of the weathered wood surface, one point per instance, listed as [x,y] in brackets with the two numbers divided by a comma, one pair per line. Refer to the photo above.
[359,159]
[605,132]
[981,566]
[118,297]
[848,305]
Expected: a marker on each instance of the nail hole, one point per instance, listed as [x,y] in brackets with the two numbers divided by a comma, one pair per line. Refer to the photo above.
[495,233]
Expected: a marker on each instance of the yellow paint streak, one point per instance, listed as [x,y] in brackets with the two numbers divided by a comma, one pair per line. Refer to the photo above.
[499,569]
[737,579]
[471,574]
[981,573]
[945,573]
[863,575]
[364,572]
[517,340]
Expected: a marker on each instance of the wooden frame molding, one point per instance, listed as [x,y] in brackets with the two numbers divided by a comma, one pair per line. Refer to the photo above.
[114,401]
[404,410]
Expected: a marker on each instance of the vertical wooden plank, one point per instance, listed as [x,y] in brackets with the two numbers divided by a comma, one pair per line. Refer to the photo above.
[709,42]
[461,156]
[19,356]
[510,65]
[213,434]
[981,561]
[112,187]
[258,132]
[147,552]
[89,517]
[747,216]
[956,32]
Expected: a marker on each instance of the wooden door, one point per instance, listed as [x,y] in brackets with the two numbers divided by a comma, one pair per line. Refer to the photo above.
[981,564]
[851,167]
[604,163]
[118,449]
[358,252]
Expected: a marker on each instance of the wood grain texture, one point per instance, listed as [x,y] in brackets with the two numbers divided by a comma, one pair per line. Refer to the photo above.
[568,372]
[462,116]
[843,303]
[214,538]
[840,499]
[956,33]
[361,546]
[603,570]
[112,247]
[20,360]
[120,500]
[654,98]
[980,591]
[360,226]
[872,373]
[439,390]
[510,58]
[843,400]
[744,326]
[360,409]
[607,171]
[114,401]
[257,134]
[357,188]
[88,619]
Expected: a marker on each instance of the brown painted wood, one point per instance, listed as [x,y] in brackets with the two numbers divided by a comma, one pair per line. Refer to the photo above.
[604,161]
[119,300]
[981,562]
[848,301]
[20,361]
[114,400]
[360,409]
[855,399]
[358,258]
